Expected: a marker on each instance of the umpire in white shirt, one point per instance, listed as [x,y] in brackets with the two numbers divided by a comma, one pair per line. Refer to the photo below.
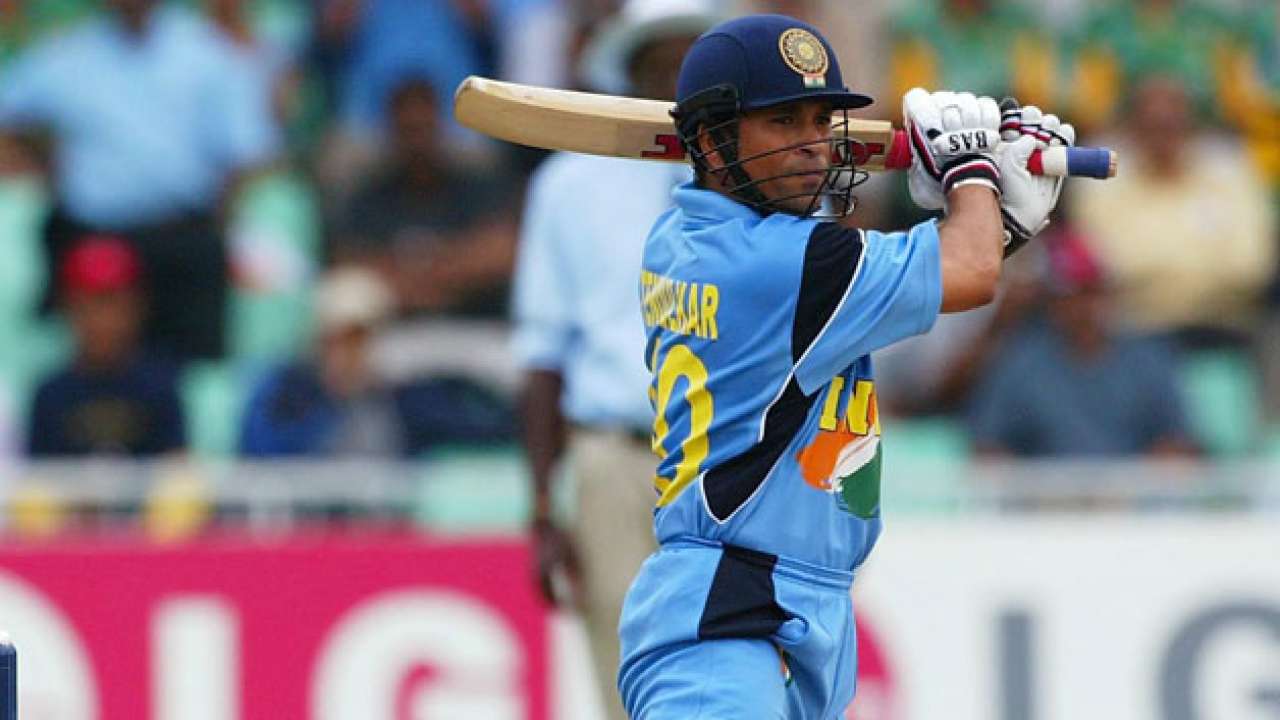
[579,338]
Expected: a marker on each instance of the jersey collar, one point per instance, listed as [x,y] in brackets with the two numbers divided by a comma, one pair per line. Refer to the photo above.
[707,205]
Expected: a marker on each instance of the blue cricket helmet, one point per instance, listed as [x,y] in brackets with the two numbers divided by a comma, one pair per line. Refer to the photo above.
[756,62]
[768,60]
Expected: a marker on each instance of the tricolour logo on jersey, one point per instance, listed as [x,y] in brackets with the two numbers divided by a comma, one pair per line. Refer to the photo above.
[844,457]
[804,53]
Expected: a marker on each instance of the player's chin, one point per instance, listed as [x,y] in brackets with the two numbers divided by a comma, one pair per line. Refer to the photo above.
[802,192]
[799,203]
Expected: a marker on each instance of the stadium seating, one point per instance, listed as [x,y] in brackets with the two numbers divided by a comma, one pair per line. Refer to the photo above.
[1222,392]
[473,490]
[924,461]
[213,398]
[30,344]
[275,243]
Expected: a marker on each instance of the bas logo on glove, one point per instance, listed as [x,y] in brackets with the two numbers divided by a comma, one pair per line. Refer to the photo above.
[968,141]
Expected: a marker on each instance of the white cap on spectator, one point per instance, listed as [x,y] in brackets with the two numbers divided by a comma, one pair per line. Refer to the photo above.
[351,297]
[605,60]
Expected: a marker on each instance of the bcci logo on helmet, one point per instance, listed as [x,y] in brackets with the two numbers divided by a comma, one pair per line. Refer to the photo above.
[805,54]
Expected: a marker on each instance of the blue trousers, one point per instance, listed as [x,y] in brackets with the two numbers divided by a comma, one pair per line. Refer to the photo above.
[713,632]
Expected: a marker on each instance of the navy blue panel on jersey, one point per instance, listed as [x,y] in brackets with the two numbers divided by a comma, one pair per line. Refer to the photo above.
[830,260]
[741,601]
[729,485]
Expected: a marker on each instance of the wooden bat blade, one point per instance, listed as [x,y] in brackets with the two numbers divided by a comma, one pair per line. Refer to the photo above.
[566,120]
[603,124]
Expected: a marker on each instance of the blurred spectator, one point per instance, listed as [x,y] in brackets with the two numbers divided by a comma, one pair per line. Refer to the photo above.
[989,47]
[340,402]
[154,115]
[1252,90]
[1213,51]
[230,15]
[114,398]
[335,405]
[1073,386]
[579,335]
[364,50]
[443,233]
[533,39]
[276,32]
[934,373]
[387,41]
[1180,262]
[280,36]
[372,46]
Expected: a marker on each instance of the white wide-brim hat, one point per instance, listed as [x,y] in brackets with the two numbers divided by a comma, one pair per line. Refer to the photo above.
[351,297]
[605,60]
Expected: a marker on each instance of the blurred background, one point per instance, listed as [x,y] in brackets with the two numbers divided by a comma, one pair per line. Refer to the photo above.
[263,422]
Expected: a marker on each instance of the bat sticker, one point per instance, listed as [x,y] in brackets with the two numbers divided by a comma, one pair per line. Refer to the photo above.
[672,148]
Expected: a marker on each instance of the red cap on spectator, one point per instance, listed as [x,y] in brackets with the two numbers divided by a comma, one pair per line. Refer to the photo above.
[100,263]
[1072,264]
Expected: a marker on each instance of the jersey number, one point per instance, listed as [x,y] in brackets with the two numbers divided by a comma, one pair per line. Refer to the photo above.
[681,364]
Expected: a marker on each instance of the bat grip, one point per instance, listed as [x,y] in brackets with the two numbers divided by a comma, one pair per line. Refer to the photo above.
[1054,161]
[1073,162]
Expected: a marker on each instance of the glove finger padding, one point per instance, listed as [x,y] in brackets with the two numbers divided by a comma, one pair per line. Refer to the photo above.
[1028,199]
[966,129]
[1010,119]
[953,115]
[1057,132]
[1032,119]
[922,118]
[973,111]
[965,110]
[988,113]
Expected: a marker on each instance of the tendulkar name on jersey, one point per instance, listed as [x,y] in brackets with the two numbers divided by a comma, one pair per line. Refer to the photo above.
[759,334]
[687,308]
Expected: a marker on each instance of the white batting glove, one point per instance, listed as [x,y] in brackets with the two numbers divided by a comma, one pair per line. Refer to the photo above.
[953,142]
[1028,199]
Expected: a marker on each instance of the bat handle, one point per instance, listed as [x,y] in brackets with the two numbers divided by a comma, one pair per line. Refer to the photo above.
[1073,162]
[1055,161]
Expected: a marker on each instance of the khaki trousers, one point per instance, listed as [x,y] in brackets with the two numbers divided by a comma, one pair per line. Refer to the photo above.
[613,532]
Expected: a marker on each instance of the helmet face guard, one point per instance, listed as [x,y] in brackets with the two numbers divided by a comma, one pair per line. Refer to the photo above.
[713,114]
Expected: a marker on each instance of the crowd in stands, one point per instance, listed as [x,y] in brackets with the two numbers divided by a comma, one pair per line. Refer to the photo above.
[216,212]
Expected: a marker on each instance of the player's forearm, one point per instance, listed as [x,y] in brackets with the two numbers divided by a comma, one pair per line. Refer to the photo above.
[972,240]
[543,433]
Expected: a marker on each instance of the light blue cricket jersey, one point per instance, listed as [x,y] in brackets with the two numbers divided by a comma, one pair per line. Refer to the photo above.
[760,330]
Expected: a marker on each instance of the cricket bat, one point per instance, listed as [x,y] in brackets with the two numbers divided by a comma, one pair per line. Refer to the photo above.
[625,127]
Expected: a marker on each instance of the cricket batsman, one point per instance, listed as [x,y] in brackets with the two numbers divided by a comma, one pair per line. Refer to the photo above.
[761,316]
